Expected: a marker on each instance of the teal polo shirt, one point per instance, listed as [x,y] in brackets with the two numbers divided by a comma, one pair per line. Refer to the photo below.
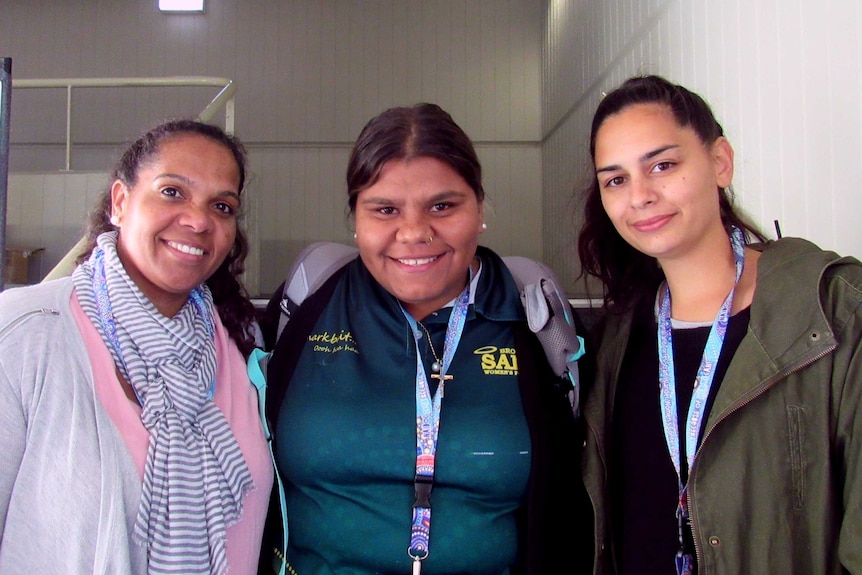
[346,435]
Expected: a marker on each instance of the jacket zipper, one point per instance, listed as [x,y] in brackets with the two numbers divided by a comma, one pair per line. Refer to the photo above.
[767,385]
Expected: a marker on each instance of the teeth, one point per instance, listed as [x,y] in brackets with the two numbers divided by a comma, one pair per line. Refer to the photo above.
[186,249]
[417,262]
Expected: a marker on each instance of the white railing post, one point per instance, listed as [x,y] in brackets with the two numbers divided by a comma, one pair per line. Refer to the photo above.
[68,128]
[224,99]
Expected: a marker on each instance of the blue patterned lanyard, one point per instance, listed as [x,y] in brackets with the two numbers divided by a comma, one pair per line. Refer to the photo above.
[700,393]
[428,425]
[109,323]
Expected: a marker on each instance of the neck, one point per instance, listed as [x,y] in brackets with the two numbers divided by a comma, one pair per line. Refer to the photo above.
[168,304]
[420,311]
[699,286]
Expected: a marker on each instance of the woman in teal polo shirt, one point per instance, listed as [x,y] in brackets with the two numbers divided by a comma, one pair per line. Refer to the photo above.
[416,385]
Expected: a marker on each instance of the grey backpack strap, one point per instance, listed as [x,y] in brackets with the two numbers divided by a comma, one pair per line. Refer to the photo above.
[549,316]
[310,270]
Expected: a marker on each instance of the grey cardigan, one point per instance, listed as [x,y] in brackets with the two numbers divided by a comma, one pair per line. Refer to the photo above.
[69,491]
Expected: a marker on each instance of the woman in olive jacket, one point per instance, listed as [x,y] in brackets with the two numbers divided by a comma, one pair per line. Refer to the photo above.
[756,467]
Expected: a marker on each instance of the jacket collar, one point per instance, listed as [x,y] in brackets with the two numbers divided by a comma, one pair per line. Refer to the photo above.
[788,328]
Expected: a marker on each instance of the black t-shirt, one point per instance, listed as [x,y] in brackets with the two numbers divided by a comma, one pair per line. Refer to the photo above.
[644,484]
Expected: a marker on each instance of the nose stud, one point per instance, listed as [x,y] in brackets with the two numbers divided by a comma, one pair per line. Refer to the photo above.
[430,239]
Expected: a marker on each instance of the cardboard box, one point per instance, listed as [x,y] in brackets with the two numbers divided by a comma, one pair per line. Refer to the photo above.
[18,265]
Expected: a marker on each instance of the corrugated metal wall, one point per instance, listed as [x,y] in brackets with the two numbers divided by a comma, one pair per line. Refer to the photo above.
[521,76]
[310,74]
[784,78]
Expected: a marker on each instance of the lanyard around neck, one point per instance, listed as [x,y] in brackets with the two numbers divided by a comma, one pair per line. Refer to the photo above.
[428,424]
[700,393]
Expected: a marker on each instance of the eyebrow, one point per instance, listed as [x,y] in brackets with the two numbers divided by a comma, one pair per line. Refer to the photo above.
[438,197]
[648,156]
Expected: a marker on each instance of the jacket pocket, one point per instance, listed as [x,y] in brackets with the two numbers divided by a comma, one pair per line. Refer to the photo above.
[796,438]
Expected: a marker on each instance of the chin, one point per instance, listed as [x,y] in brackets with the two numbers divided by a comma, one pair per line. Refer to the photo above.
[183,287]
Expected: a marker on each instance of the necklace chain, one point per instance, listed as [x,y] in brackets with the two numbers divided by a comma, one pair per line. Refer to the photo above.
[437,365]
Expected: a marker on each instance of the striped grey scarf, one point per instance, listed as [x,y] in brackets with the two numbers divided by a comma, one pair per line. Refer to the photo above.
[195,475]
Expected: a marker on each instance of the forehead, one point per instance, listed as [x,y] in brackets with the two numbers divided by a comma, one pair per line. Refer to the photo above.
[639,128]
[420,172]
[195,155]
[187,144]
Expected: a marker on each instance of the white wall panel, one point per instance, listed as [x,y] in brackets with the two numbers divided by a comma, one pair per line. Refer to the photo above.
[783,78]
[48,211]
[513,210]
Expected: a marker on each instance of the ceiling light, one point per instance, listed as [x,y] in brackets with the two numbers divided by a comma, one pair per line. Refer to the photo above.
[181,5]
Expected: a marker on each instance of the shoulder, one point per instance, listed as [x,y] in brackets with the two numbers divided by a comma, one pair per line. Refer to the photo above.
[805,264]
[486,253]
[20,302]
[38,334]
[497,294]
[800,283]
[797,253]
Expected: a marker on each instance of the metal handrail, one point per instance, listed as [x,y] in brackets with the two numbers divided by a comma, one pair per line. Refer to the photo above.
[224,99]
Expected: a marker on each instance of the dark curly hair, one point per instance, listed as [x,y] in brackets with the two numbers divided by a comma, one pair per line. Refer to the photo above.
[229,295]
[625,271]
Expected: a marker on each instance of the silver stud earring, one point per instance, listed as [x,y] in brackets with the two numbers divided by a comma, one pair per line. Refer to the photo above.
[115,221]
[354,237]
[484,226]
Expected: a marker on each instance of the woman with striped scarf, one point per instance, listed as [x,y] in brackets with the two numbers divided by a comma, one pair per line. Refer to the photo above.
[130,440]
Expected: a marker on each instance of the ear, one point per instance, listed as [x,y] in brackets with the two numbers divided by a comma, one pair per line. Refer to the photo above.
[722,157]
[482,226]
[119,195]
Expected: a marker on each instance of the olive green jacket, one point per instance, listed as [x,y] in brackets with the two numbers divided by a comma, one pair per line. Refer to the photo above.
[777,482]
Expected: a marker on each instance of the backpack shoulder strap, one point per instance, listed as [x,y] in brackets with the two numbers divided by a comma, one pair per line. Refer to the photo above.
[551,317]
[310,270]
